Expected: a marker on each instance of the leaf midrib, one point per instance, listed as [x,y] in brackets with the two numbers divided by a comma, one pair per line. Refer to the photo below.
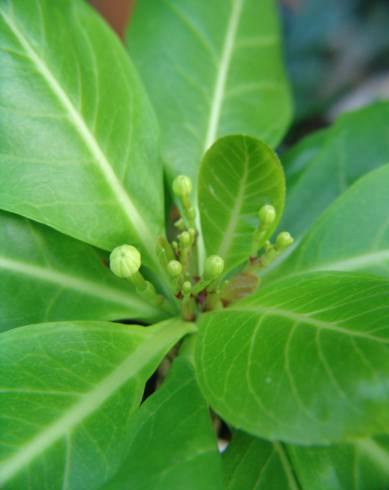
[130,211]
[227,239]
[286,466]
[76,283]
[222,73]
[301,318]
[216,103]
[164,336]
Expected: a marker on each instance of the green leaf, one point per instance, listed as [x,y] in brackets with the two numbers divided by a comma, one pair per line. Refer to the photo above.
[250,463]
[237,177]
[67,390]
[47,276]
[297,158]
[211,69]
[363,465]
[355,145]
[306,360]
[78,137]
[255,464]
[172,443]
[351,235]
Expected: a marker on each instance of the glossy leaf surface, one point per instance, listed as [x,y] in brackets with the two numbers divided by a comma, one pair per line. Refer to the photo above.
[306,360]
[211,69]
[351,235]
[78,137]
[237,177]
[296,159]
[172,442]
[47,276]
[67,390]
[250,463]
[363,465]
[356,144]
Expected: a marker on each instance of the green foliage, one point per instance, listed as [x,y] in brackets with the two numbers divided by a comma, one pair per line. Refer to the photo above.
[78,127]
[238,176]
[68,390]
[309,356]
[351,235]
[254,463]
[357,143]
[171,443]
[363,464]
[287,350]
[203,82]
[47,276]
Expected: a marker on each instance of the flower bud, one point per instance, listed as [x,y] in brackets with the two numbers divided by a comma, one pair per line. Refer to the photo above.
[185,238]
[182,186]
[174,268]
[284,240]
[192,233]
[125,261]
[186,287]
[214,266]
[267,214]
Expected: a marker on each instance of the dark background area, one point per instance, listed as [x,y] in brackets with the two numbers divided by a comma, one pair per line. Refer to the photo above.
[336,52]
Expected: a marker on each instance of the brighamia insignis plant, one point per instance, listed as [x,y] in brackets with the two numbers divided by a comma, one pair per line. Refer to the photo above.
[103,281]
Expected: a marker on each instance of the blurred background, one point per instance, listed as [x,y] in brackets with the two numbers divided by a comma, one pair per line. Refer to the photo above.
[336,52]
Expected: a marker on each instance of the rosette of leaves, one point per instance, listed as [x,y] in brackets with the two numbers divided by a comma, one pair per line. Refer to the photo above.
[293,357]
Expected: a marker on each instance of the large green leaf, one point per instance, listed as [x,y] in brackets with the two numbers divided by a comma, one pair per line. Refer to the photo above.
[237,177]
[296,159]
[211,69]
[78,139]
[67,390]
[172,443]
[254,464]
[47,276]
[306,360]
[363,465]
[352,235]
[357,143]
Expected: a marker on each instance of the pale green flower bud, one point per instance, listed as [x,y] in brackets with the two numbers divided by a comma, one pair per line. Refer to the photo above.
[192,233]
[284,240]
[267,214]
[186,287]
[174,268]
[185,238]
[182,186]
[214,266]
[125,261]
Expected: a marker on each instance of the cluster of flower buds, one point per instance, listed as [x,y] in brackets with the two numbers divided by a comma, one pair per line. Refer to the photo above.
[267,219]
[187,285]
[178,258]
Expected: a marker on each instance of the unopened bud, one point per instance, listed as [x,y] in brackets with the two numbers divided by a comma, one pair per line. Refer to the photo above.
[182,186]
[174,268]
[267,214]
[214,266]
[125,261]
[185,238]
[186,287]
[284,240]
